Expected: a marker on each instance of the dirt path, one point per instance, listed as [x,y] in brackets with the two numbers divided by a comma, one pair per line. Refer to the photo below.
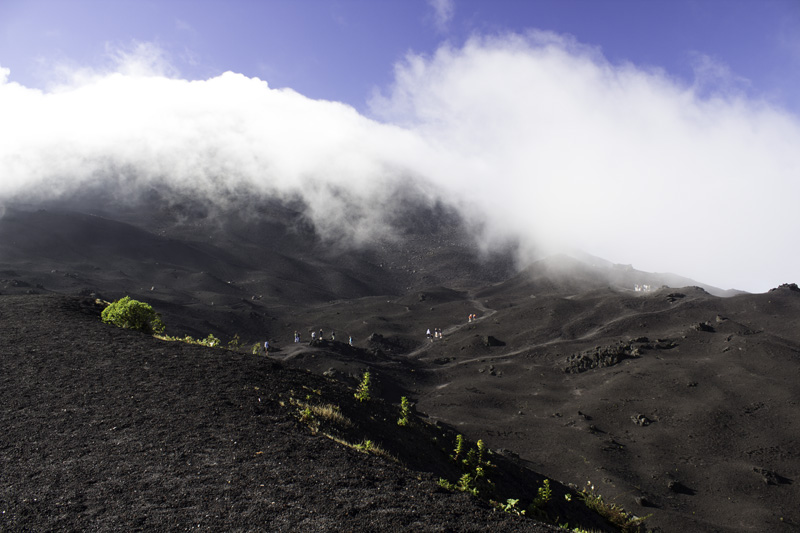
[486,313]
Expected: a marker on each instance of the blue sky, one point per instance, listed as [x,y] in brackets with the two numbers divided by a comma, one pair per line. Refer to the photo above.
[662,134]
[341,50]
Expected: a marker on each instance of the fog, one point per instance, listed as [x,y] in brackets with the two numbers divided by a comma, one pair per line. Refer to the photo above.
[534,137]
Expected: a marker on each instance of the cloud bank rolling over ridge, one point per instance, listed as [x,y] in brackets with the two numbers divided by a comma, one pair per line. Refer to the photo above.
[534,136]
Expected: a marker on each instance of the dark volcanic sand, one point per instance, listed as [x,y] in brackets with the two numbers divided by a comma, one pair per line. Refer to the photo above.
[673,403]
[107,429]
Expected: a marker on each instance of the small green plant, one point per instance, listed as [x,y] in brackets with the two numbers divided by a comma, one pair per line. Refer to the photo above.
[475,464]
[211,341]
[482,453]
[466,483]
[446,484]
[256,349]
[405,412]
[458,451]
[627,522]
[544,495]
[574,530]
[475,457]
[511,507]
[366,445]
[363,392]
[133,314]
[235,342]
[316,416]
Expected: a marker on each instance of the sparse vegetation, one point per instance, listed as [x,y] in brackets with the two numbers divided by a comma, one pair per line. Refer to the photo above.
[306,416]
[313,414]
[365,446]
[235,342]
[544,495]
[363,392]
[475,464]
[133,314]
[459,449]
[615,514]
[511,507]
[327,419]
[405,412]
[211,341]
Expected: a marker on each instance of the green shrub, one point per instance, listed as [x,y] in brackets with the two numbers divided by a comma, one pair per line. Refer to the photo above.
[133,314]
[459,449]
[211,341]
[511,507]
[363,392]
[235,342]
[405,412]
[625,521]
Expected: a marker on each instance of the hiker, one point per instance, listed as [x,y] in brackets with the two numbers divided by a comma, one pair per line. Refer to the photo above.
[296,337]
[428,334]
[469,319]
[333,336]
[266,346]
[313,336]
[320,335]
[350,340]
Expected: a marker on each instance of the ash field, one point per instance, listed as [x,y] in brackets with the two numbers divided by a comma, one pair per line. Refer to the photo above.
[677,402]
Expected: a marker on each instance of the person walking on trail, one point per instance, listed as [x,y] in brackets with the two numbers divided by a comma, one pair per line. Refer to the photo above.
[313,337]
[350,340]
[296,337]
[428,334]
[320,335]
[266,346]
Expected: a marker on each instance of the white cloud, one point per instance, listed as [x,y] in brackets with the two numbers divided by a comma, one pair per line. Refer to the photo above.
[536,136]
[137,128]
[713,76]
[563,147]
[443,11]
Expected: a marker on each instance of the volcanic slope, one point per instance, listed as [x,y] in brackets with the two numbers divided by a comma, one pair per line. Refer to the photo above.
[673,402]
[241,272]
[109,429]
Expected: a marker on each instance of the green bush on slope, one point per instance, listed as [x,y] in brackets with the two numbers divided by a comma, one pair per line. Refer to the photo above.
[133,314]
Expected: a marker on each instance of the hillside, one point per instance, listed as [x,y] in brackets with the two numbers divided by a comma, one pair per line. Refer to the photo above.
[110,429]
[673,403]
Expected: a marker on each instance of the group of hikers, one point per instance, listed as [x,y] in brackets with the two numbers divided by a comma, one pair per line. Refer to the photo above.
[314,339]
[436,334]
